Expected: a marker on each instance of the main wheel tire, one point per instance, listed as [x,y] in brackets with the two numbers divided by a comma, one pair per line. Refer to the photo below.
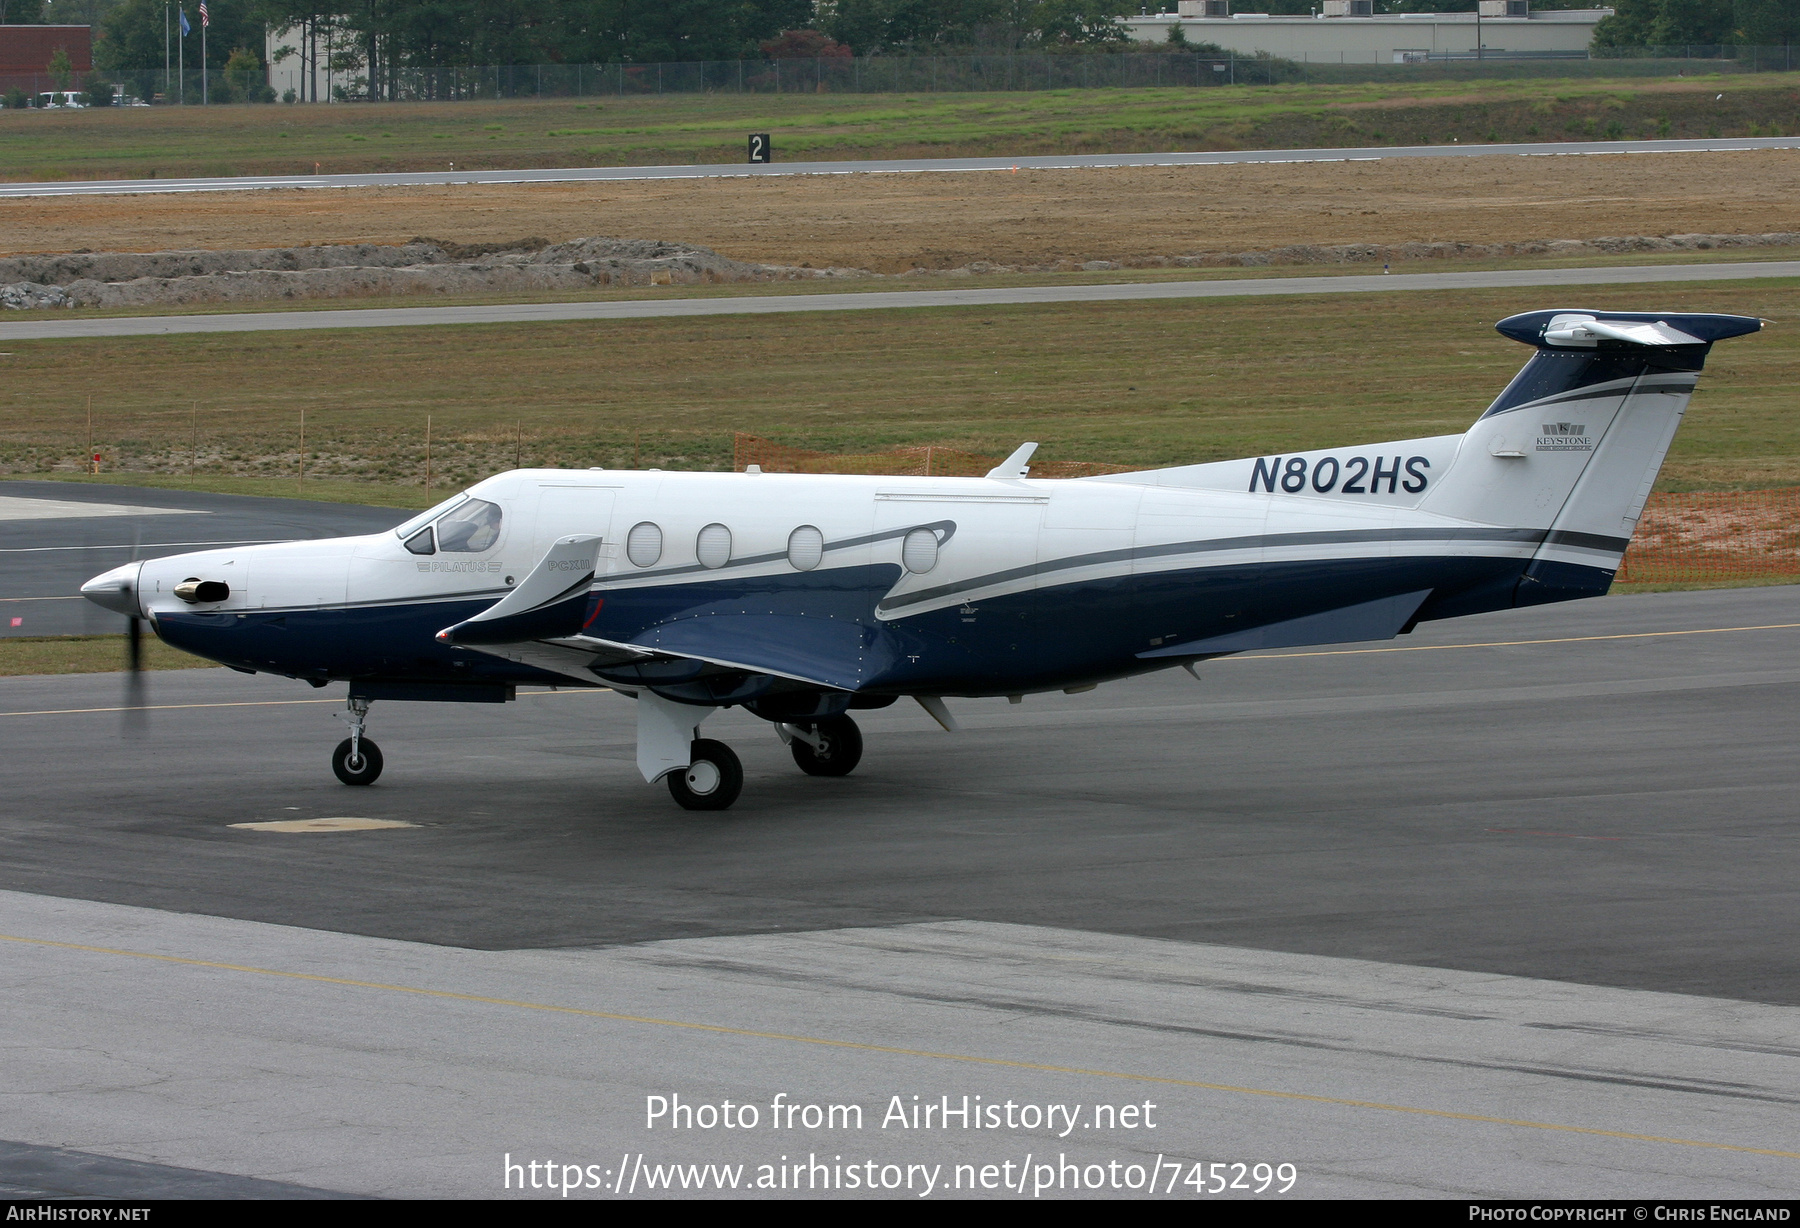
[841,753]
[713,778]
[366,768]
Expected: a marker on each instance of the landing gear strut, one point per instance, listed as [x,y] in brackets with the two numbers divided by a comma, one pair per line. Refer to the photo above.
[357,760]
[713,778]
[830,746]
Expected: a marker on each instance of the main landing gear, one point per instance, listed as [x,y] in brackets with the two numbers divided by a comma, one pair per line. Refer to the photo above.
[357,760]
[706,775]
[830,746]
[713,778]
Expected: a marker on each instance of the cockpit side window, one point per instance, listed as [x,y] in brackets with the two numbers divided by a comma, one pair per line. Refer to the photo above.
[421,542]
[426,517]
[469,528]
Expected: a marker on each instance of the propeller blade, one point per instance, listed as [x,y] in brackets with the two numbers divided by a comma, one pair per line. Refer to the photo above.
[133,719]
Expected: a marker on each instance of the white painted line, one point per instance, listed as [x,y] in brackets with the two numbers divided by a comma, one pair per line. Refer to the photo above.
[254,541]
[14,507]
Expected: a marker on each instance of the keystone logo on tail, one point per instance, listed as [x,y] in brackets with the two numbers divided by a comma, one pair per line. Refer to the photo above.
[1565,437]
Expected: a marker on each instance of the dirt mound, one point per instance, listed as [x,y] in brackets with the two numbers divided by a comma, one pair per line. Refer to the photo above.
[128,266]
[172,279]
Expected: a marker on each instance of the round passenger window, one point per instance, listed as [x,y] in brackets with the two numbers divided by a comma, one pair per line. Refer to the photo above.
[471,527]
[806,548]
[919,551]
[714,546]
[643,545]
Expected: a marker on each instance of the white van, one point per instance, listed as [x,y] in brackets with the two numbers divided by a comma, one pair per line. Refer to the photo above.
[60,99]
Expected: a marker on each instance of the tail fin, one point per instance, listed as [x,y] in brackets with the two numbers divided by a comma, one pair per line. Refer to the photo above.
[1573,445]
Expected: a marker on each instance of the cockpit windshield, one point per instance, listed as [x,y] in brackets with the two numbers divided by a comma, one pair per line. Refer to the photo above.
[471,527]
[424,518]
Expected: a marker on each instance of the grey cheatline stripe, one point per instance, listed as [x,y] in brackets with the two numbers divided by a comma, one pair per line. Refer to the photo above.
[1590,541]
[889,166]
[1616,388]
[883,300]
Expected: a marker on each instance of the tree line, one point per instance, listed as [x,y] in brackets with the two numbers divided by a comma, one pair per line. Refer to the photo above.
[375,36]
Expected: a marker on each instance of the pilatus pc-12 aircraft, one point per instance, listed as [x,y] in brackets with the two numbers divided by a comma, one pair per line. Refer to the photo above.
[804,597]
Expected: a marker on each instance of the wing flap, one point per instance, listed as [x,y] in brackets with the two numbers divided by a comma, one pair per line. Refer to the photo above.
[1382,619]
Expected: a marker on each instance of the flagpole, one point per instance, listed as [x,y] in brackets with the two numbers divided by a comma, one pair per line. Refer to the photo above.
[181,63]
[203,24]
[165,48]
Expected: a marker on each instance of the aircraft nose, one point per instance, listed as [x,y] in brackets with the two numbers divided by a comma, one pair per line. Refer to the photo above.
[116,590]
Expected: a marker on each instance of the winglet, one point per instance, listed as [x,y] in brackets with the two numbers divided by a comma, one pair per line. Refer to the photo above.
[551,602]
[939,713]
[1017,465]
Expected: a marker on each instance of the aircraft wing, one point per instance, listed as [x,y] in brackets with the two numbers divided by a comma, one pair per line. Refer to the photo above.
[820,652]
[542,623]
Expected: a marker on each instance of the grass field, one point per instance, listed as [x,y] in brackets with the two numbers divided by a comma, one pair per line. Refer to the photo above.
[688,128]
[87,654]
[1139,384]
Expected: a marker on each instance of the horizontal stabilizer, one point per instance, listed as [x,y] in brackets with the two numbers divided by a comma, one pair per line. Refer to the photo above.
[1587,329]
[552,602]
[1372,620]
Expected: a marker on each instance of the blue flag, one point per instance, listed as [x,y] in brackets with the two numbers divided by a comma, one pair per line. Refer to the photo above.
[184,25]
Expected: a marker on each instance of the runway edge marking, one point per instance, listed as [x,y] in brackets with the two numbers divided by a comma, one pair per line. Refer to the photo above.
[861,1046]
[1567,639]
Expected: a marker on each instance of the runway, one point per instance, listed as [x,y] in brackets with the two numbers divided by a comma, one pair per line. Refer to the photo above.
[54,536]
[1503,908]
[603,174]
[528,313]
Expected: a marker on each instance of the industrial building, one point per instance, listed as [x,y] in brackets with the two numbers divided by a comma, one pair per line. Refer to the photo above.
[25,53]
[1350,32]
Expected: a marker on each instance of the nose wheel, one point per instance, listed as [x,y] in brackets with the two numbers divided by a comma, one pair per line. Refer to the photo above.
[713,778]
[357,760]
[356,764]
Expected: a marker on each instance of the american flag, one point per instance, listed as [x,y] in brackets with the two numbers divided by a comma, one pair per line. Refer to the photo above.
[204,20]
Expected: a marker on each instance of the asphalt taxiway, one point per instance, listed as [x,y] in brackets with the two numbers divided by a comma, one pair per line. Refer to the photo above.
[1501,908]
[889,166]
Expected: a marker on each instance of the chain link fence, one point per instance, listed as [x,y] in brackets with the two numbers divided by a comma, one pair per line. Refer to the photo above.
[910,74]
[1715,535]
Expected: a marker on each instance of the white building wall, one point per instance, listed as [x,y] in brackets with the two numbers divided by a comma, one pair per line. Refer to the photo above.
[288,70]
[1379,40]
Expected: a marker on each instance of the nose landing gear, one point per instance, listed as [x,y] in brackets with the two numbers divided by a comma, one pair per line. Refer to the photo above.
[357,760]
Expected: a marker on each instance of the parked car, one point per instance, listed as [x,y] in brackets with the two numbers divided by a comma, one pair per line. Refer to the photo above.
[60,99]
